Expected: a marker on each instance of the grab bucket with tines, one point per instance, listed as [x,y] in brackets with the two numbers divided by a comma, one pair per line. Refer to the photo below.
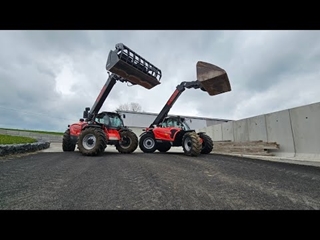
[212,78]
[132,67]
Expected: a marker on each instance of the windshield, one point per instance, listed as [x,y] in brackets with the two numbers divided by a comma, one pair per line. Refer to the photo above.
[110,120]
[115,120]
[173,122]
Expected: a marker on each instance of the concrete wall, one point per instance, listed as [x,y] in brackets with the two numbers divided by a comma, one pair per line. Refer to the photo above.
[305,123]
[240,131]
[279,130]
[257,129]
[297,130]
[227,131]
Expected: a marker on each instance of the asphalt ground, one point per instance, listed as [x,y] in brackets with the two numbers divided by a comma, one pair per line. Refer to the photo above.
[56,180]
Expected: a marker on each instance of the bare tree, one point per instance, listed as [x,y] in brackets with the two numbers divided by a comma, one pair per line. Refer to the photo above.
[135,107]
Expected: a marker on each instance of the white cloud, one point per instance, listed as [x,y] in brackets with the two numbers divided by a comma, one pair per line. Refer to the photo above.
[47,78]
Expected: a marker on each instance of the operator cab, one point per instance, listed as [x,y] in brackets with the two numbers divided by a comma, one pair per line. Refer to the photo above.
[175,122]
[110,120]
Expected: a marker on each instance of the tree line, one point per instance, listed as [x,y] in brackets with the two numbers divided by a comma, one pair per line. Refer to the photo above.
[135,107]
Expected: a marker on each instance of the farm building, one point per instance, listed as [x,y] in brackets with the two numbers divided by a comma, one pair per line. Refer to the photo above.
[139,120]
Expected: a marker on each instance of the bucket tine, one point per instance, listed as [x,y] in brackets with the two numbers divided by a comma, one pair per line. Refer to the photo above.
[131,66]
[213,79]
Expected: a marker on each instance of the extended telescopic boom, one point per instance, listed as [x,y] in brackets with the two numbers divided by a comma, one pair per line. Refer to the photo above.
[211,79]
[125,66]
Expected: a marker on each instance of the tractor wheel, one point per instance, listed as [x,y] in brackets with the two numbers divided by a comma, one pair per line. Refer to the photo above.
[67,145]
[163,147]
[207,143]
[147,143]
[191,144]
[92,141]
[128,142]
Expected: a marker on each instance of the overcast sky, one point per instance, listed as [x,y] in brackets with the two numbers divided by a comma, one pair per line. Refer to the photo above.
[47,78]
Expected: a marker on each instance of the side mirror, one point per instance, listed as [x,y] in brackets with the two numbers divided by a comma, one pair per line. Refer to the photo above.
[123,116]
[86,112]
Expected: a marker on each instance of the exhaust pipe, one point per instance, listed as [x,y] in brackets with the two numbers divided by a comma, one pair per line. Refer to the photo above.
[213,79]
[132,67]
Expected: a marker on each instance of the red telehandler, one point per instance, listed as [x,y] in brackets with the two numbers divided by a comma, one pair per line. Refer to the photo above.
[96,130]
[166,132]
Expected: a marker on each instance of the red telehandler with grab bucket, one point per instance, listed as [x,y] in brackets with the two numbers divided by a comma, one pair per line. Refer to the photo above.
[96,130]
[166,132]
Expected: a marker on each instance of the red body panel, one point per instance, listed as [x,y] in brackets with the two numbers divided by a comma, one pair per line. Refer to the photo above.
[75,128]
[165,133]
[112,134]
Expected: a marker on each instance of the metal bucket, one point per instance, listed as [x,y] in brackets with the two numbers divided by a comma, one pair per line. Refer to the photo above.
[214,80]
[132,67]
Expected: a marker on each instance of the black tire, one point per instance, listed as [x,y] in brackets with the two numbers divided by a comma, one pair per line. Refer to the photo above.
[128,143]
[207,144]
[92,141]
[147,143]
[191,144]
[67,145]
[163,147]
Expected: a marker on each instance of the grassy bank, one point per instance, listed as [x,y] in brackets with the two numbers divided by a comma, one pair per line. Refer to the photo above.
[35,131]
[7,139]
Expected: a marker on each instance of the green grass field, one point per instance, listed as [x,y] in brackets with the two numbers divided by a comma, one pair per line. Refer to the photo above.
[35,131]
[7,139]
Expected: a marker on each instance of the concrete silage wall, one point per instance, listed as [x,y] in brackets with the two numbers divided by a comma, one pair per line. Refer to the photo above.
[257,129]
[227,131]
[306,130]
[279,130]
[296,130]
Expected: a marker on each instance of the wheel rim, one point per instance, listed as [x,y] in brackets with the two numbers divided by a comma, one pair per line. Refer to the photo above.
[187,144]
[149,143]
[125,142]
[89,141]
